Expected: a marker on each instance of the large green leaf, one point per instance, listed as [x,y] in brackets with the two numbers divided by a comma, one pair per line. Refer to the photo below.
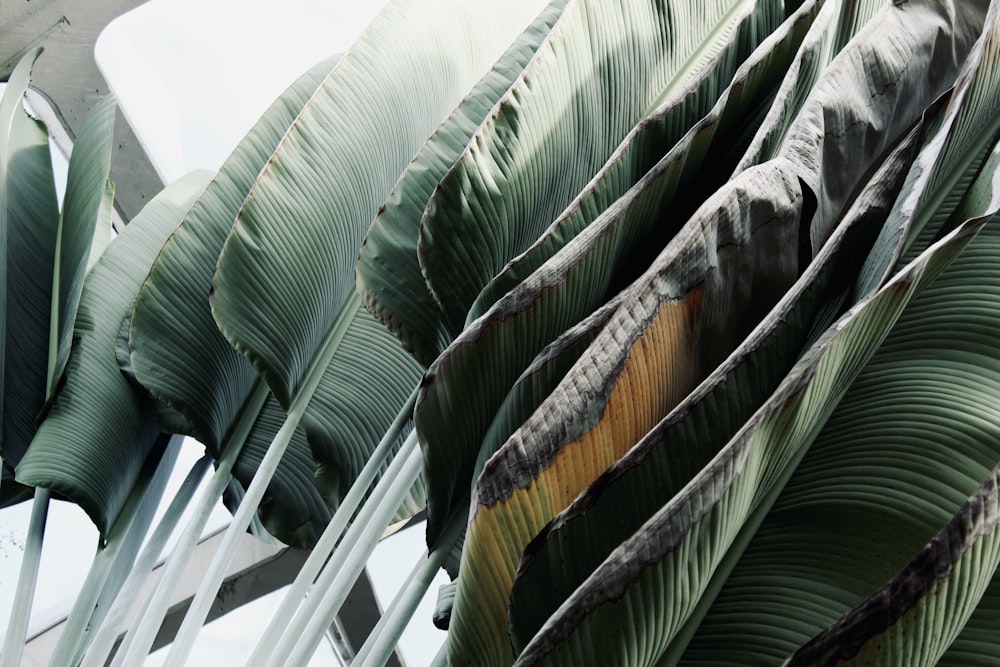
[285,277]
[918,427]
[46,254]
[916,616]
[482,364]
[672,557]
[602,69]
[292,509]
[32,214]
[705,293]
[723,102]
[99,429]
[210,384]
[975,645]
[893,413]
[84,205]
[10,109]
[694,432]
[948,163]
[389,275]
[834,27]
[623,384]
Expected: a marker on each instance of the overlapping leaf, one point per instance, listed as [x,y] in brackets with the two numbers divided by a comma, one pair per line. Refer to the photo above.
[589,269]
[209,384]
[694,432]
[723,102]
[32,215]
[389,275]
[46,254]
[680,546]
[646,360]
[285,277]
[916,426]
[99,430]
[601,70]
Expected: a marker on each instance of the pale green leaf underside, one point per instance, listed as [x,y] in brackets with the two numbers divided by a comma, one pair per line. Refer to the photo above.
[32,226]
[287,268]
[389,276]
[99,430]
[602,69]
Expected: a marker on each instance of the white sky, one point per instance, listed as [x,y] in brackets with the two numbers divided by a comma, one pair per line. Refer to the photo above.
[192,77]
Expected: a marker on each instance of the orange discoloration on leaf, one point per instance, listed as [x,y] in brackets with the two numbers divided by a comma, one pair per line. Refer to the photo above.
[660,369]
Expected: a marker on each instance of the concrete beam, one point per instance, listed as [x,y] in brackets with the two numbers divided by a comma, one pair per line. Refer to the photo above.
[257,569]
[67,76]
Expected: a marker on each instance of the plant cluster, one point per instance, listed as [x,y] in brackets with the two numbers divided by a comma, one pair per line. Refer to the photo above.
[678,317]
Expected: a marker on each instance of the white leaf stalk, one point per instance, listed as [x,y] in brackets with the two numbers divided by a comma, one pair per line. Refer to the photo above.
[114,560]
[345,566]
[107,633]
[17,630]
[140,637]
[331,535]
[387,631]
[198,611]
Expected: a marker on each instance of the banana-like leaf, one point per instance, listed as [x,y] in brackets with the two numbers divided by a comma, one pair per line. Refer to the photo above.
[99,429]
[86,202]
[484,362]
[948,163]
[917,615]
[285,277]
[389,276]
[292,509]
[32,214]
[917,426]
[641,365]
[601,70]
[672,453]
[671,558]
[357,399]
[834,27]
[208,385]
[541,377]
[647,358]
[10,108]
[46,256]
[724,102]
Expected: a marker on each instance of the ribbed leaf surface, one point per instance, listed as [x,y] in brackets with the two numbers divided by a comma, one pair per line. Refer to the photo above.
[909,427]
[390,279]
[602,69]
[10,110]
[207,382]
[292,509]
[976,645]
[32,236]
[728,90]
[640,366]
[671,454]
[83,206]
[909,442]
[656,577]
[692,310]
[99,430]
[358,397]
[835,25]
[950,160]
[286,272]
[483,363]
